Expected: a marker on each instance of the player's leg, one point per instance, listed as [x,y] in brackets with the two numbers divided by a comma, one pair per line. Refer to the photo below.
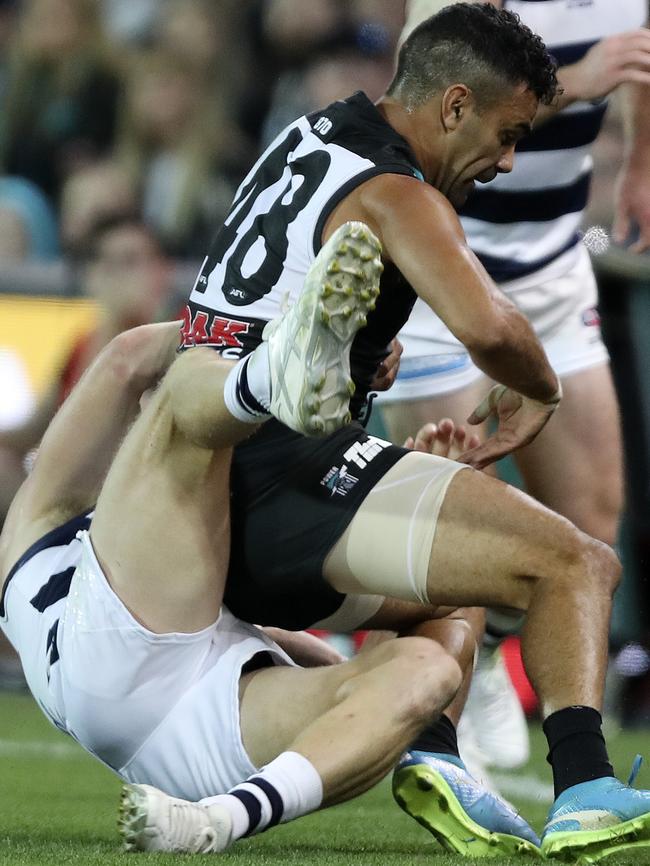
[167,562]
[79,444]
[503,742]
[320,735]
[161,528]
[575,465]
[494,545]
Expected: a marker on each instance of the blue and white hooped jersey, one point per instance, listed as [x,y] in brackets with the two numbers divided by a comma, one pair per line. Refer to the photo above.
[521,221]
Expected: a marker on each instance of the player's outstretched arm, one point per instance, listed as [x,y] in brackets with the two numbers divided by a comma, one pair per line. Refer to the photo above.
[422,235]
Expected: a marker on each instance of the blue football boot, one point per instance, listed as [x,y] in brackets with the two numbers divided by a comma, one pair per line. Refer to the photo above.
[594,819]
[465,817]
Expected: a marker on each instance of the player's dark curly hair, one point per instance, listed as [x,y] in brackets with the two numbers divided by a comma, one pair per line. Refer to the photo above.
[478,45]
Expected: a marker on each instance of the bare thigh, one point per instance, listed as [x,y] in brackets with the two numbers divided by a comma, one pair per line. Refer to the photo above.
[161,529]
[487,543]
[575,464]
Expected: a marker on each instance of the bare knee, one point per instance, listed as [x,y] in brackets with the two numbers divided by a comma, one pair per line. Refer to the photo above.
[436,676]
[139,356]
[581,563]
[418,674]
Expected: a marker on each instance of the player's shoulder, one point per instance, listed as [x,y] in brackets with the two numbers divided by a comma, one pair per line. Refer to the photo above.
[356,125]
[388,193]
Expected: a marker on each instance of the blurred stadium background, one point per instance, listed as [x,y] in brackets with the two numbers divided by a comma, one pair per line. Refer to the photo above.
[125,127]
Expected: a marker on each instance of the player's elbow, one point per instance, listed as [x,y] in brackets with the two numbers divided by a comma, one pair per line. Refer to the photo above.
[487,340]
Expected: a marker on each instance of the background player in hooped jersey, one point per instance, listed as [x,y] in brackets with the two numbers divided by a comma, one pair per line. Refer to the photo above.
[524,228]
[315,521]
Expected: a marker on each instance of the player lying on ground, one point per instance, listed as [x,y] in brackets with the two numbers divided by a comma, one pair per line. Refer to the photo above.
[117,616]
[118,620]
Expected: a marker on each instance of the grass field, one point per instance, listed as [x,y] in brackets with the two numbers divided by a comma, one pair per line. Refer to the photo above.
[57,805]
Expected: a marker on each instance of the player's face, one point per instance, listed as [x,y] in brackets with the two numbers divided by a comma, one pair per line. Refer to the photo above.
[484,144]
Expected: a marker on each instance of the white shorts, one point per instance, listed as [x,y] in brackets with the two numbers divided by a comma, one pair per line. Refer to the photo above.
[161,709]
[560,301]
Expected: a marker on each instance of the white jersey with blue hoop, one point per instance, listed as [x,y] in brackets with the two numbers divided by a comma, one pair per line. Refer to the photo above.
[522,221]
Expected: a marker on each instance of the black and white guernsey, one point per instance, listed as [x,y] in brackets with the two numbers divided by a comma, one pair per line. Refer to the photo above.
[257,265]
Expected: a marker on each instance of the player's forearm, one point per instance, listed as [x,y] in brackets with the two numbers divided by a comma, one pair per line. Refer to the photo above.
[636,117]
[512,355]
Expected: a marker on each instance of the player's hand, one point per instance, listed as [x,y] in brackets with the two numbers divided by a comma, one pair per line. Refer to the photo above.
[388,369]
[443,439]
[632,204]
[519,420]
[613,61]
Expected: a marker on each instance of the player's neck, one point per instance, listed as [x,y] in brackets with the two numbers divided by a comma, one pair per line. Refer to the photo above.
[421,136]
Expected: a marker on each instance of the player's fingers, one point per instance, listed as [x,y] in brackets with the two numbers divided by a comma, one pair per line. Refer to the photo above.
[487,404]
[442,442]
[639,59]
[410,442]
[388,369]
[489,452]
[631,75]
[425,438]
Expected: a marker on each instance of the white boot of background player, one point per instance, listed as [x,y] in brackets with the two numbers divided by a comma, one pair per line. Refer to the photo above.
[495,715]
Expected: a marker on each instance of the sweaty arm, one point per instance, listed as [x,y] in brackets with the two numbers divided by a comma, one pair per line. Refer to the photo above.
[421,234]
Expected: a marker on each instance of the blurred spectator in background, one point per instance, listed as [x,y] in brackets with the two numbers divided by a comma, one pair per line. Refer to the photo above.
[130,21]
[59,104]
[190,31]
[178,146]
[92,195]
[125,272]
[314,51]
[8,16]
[28,226]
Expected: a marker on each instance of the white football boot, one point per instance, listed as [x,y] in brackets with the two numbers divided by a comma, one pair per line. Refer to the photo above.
[150,820]
[309,347]
[496,715]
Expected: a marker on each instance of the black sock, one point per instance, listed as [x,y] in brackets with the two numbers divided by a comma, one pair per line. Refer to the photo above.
[439,736]
[576,747]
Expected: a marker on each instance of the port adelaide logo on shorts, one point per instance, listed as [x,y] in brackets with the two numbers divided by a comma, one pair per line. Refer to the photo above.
[338,480]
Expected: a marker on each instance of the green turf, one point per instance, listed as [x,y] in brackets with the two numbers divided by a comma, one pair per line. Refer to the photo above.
[62,808]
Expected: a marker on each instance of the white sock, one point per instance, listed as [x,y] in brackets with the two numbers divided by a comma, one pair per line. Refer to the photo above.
[247,390]
[285,789]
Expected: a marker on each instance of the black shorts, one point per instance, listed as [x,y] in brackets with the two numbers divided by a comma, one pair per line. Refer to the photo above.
[292,498]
